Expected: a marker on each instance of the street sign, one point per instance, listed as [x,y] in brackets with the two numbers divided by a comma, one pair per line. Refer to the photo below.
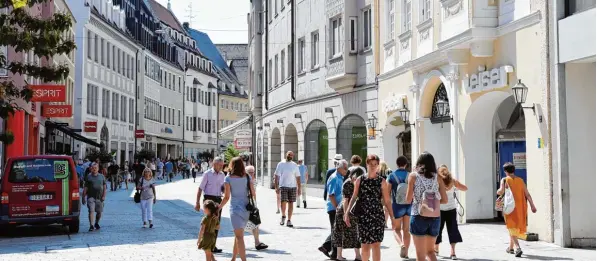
[48,93]
[139,134]
[56,111]
[61,124]
[242,143]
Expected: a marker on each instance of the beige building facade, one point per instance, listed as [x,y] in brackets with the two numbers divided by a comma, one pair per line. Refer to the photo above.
[471,55]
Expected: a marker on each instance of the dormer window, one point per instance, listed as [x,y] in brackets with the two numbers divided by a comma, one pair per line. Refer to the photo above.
[209,67]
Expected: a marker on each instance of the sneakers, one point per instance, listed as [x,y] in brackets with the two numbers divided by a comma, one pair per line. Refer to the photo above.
[282,221]
[278,211]
[518,252]
[289,223]
[91,228]
[97,226]
[304,203]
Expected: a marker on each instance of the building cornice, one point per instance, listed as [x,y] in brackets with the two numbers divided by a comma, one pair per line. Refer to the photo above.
[438,57]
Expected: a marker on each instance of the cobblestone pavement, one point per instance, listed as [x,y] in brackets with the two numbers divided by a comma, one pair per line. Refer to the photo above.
[176,225]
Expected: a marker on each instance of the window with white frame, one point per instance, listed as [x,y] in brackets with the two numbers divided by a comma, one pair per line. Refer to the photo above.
[335,23]
[290,72]
[314,49]
[276,69]
[282,65]
[105,103]
[353,34]
[123,108]
[391,20]
[131,110]
[275,6]
[269,75]
[425,7]
[367,28]
[92,99]
[407,17]
[115,106]
[301,55]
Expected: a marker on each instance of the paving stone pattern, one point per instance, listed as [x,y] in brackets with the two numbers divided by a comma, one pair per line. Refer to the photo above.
[177,224]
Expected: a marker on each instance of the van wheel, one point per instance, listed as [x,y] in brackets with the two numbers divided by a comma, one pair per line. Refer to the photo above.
[73,226]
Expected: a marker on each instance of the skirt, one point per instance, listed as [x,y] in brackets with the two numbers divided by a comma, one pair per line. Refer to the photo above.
[342,235]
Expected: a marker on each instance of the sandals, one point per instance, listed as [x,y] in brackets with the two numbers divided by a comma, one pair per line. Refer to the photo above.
[518,252]
[453,257]
[510,250]
[403,252]
[261,246]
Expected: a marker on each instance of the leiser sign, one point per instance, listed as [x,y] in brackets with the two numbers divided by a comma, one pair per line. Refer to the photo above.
[488,80]
[48,93]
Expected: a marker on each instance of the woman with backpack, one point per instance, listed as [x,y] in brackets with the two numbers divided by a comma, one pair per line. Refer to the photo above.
[448,211]
[426,192]
[398,187]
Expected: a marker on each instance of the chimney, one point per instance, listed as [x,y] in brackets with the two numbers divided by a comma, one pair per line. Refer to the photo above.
[169,5]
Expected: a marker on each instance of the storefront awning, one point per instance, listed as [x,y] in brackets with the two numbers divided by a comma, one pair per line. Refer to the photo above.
[70,132]
[234,126]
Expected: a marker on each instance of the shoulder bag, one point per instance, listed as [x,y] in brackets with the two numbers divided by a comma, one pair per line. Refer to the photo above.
[254,216]
[357,209]
[137,196]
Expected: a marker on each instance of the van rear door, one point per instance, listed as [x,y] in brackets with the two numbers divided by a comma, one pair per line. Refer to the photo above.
[38,187]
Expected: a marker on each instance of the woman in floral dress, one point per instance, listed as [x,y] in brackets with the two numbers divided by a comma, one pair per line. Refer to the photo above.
[343,236]
[374,196]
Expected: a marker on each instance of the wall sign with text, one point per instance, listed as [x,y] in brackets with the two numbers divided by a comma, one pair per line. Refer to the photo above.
[488,80]
[48,93]
[57,111]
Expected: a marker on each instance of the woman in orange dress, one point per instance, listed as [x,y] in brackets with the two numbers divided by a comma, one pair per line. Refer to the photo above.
[516,222]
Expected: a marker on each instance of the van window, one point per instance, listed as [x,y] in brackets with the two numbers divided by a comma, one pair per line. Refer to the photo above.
[34,170]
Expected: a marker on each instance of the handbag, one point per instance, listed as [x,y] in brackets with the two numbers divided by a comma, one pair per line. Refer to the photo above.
[137,197]
[254,216]
[357,209]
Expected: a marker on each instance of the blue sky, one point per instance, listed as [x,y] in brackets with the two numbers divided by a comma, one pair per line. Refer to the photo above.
[225,21]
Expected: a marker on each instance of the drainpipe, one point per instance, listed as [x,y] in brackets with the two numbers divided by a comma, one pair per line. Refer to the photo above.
[184,104]
[292,44]
[136,99]
[377,39]
[266,73]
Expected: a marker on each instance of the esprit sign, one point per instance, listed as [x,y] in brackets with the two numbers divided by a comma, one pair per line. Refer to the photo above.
[57,111]
[48,93]
[488,80]
[140,134]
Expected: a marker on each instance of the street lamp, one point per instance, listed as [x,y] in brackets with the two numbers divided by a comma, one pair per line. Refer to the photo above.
[373,122]
[520,94]
[404,114]
[442,107]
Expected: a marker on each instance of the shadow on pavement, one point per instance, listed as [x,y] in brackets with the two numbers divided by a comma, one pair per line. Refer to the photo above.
[536,257]
[305,228]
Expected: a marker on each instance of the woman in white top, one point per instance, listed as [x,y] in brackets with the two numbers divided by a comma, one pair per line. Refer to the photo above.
[449,211]
[147,189]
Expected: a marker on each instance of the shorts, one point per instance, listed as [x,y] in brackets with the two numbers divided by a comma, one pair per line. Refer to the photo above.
[401,210]
[95,205]
[424,226]
[287,194]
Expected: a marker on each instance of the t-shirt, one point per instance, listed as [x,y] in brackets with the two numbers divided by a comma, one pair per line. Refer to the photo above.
[327,177]
[146,191]
[287,171]
[113,170]
[402,176]
[160,165]
[95,186]
[302,171]
[168,166]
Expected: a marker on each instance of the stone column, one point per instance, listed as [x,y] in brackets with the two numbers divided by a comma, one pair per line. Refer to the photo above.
[455,83]
[414,117]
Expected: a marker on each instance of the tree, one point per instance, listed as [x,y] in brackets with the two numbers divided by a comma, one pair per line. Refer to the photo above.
[230,153]
[145,154]
[46,37]
[104,156]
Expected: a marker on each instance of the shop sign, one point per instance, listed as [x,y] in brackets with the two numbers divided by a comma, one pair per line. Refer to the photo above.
[139,134]
[57,111]
[242,143]
[519,159]
[243,134]
[488,80]
[167,130]
[48,93]
[90,126]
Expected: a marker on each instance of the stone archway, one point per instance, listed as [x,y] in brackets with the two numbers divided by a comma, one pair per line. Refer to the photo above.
[435,130]
[352,137]
[275,153]
[290,140]
[316,150]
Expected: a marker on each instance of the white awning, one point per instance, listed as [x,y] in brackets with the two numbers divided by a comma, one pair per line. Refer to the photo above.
[234,126]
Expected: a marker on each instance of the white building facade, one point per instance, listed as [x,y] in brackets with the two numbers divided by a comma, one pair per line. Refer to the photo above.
[572,38]
[312,89]
[104,78]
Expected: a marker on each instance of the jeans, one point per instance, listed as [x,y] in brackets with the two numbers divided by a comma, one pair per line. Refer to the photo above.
[328,241]
[147,209]
[113,182]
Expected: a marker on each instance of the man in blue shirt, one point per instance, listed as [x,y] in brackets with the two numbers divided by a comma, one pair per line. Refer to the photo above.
[304,180]
[331,171]
[334,186]
[169,168]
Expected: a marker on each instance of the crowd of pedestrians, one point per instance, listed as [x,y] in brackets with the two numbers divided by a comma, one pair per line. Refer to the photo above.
[419,202]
